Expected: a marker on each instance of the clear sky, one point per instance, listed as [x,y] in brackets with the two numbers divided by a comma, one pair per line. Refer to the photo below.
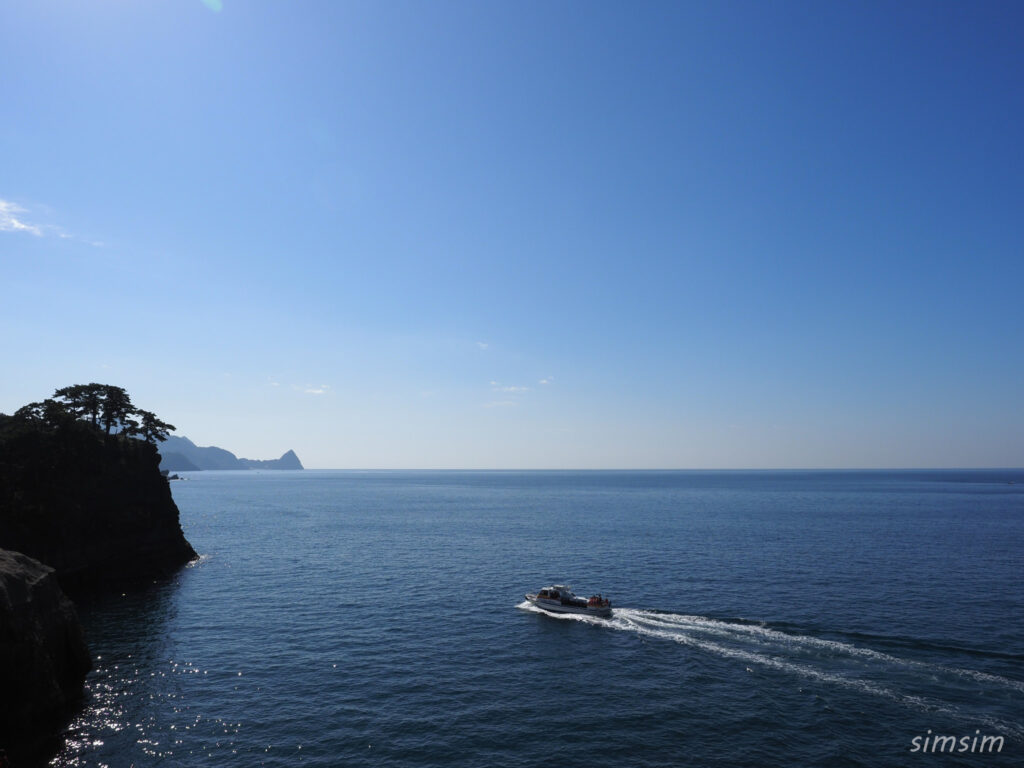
[524,234]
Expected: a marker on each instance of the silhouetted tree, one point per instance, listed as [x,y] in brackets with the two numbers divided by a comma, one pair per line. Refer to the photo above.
[50,412]
[130,428]
[84,399]
[102,405]
[116,407]
[153,430]
[34,411]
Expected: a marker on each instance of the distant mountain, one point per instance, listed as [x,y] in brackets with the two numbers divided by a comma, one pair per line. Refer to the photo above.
[288,461]
[179,454]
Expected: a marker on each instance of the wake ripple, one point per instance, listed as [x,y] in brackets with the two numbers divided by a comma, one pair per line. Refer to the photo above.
[829,662]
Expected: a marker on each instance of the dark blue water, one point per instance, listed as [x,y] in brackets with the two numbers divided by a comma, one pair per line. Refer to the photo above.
[763,619]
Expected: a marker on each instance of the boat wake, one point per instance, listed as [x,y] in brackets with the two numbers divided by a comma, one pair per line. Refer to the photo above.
[824,661]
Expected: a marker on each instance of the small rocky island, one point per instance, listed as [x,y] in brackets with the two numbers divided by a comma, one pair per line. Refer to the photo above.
[83,507]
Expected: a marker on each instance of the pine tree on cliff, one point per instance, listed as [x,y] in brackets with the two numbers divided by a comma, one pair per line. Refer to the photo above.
[49,412]
[116,407]
[103,405]
[129,428]
[84,399]
[153,430]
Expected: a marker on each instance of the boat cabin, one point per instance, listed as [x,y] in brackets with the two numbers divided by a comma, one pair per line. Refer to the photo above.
[556,592]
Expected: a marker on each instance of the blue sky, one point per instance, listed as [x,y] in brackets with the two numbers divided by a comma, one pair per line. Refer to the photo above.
[730,234]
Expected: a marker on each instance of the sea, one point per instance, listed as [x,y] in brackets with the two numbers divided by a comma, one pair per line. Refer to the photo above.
[377,618]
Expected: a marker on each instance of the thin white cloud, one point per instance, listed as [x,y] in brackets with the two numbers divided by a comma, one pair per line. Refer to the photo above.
[306,389]
[12,221]
[512,388]
[546,381]
[483,344]
[65,236]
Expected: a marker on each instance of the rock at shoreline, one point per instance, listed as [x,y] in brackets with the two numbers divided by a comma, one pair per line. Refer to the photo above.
[43,656]
[175,462]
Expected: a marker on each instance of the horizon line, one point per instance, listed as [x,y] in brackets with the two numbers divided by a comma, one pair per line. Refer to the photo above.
[654,469]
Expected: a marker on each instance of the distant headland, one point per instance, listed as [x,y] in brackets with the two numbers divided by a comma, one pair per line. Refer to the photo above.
[179,454]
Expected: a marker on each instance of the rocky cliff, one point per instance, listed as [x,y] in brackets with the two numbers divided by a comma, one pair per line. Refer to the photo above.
[175,462]
[94,507]
[43,657]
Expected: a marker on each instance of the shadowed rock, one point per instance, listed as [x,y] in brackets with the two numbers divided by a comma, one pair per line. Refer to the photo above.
[92,506]
[43,656]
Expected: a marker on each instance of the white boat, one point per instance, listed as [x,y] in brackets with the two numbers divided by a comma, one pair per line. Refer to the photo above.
[560,599]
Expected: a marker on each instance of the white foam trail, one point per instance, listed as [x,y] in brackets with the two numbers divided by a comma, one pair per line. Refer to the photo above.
[769,644]
[629,623]
[806,642]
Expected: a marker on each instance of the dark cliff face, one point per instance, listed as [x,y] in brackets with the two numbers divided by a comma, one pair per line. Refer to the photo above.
[92,506]
[175,462]
[43,657]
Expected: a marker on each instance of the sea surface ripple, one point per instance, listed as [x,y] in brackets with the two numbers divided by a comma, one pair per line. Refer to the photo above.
[377,619]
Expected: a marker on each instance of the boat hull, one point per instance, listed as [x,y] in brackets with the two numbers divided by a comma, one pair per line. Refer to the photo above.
[557,606]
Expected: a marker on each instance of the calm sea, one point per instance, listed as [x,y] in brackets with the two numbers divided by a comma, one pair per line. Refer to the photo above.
[762,619]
